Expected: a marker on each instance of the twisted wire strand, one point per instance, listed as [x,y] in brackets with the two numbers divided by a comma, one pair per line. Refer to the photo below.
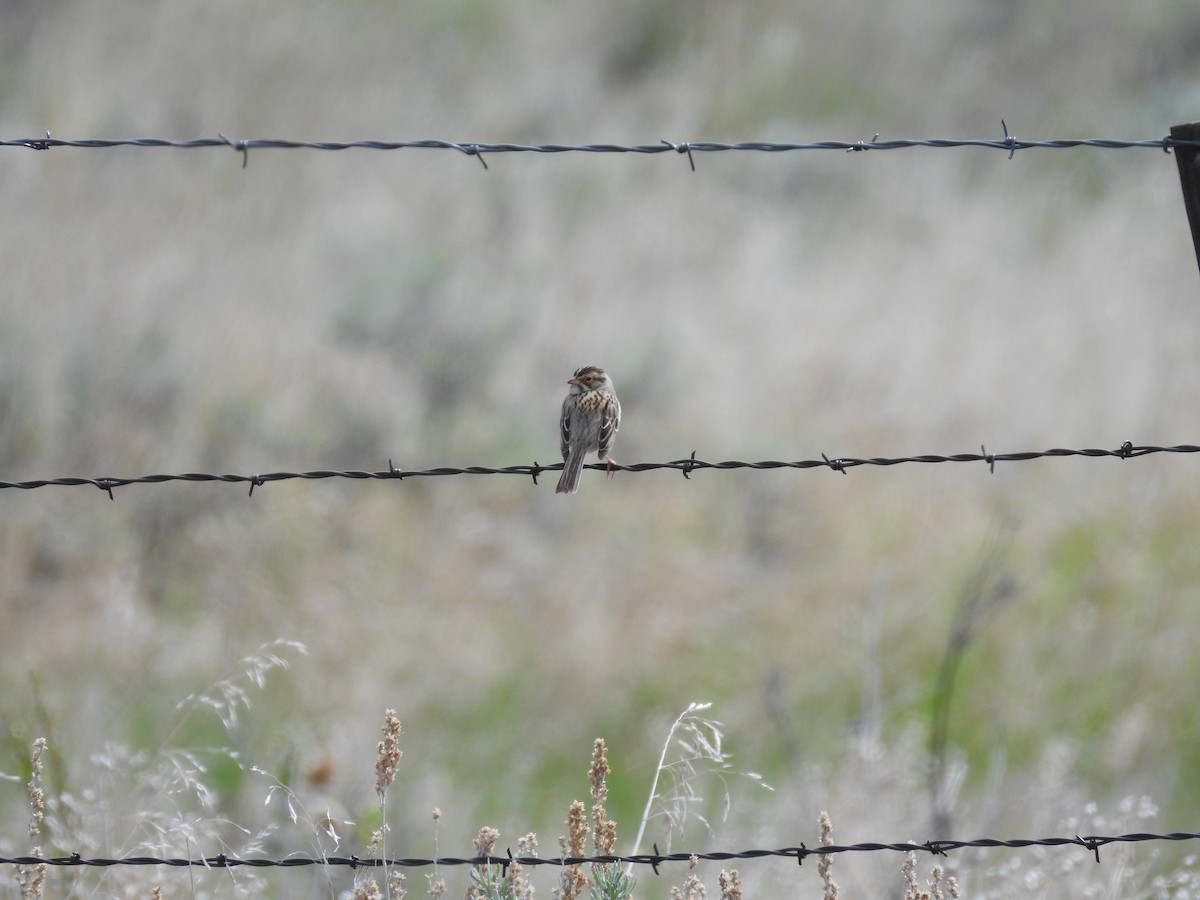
[1091,843]
[479,149]
[685,466]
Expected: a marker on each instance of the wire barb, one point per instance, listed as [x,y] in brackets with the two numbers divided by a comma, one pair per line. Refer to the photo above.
[473,150]
[238,145]
[39,144]
[688,465]
[836,464]
[863,145]
[1009,139]
[1090,844]
[685,147]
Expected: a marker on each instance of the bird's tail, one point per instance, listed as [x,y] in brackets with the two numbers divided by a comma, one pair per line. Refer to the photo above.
[569,482]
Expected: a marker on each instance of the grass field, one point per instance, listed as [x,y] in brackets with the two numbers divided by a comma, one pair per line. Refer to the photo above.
[171,311]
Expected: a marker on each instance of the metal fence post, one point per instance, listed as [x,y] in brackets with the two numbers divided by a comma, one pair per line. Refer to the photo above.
[1188,160]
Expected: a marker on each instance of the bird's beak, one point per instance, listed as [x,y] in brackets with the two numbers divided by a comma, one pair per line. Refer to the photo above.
[574,381]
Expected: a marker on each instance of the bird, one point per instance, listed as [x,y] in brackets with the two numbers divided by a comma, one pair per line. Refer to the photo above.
[591,415]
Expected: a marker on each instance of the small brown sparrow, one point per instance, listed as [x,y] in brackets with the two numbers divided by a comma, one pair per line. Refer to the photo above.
[591,415]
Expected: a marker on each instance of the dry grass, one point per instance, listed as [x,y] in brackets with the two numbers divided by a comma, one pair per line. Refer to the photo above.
[172,312]
[1053,872]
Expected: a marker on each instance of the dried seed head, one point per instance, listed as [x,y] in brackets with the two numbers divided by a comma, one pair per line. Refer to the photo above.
[486,842]
[389,754]
[598,772]
[731,885]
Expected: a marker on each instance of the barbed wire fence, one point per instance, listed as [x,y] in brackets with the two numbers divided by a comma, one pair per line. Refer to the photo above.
[684,466]
[1183,141]
[1091,843]
[480,149]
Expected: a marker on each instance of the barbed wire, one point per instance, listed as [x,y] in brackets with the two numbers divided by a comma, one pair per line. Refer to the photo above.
[479,149]
[1091,843]
[686,467]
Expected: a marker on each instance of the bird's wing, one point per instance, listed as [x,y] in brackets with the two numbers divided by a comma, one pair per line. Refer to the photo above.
[609,424]
[564,428]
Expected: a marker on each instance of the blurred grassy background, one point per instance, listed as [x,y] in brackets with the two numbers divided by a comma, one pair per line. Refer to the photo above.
[168,311]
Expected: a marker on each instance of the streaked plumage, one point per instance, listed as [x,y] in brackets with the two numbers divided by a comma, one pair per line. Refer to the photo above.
[591,415]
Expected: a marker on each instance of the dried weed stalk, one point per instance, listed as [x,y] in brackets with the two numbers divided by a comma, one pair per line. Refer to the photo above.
[30,878]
